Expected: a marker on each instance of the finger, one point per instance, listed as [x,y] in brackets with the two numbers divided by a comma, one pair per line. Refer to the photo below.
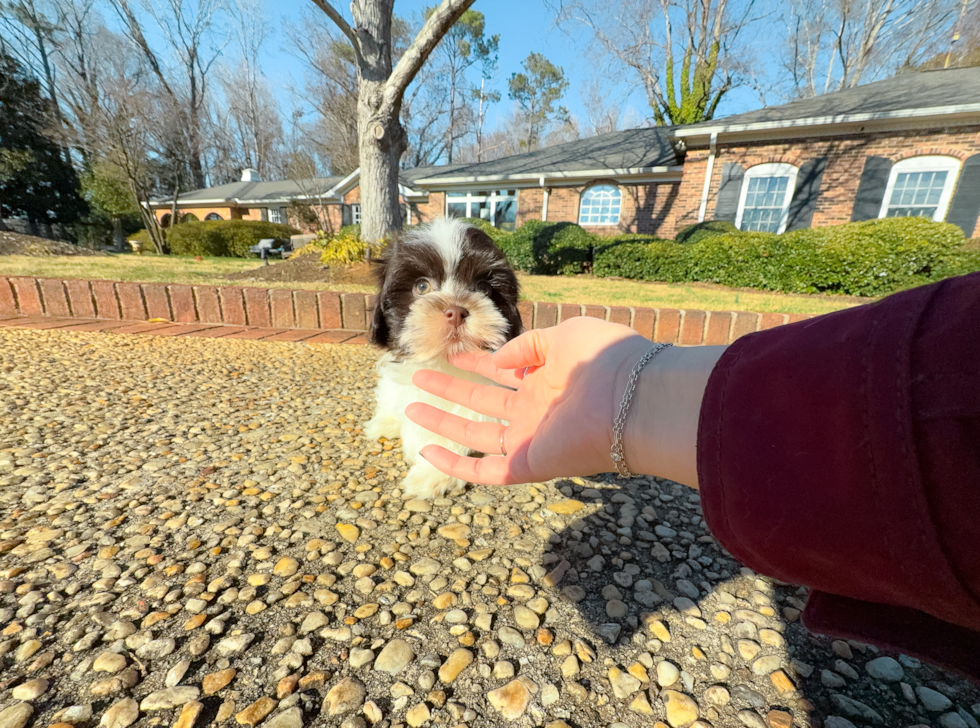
[488,471]
[479,436]
[481,363]
[527,350]
[483,398]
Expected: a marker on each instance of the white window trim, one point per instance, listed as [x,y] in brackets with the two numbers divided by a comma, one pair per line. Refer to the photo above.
[769,169]
[924,164]
[600,224]
[355,213]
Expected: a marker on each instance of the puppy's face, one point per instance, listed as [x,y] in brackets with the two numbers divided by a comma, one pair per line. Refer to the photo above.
[444,289]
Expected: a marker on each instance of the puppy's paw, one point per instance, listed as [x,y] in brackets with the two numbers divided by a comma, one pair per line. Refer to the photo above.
[383,426]
[425,481]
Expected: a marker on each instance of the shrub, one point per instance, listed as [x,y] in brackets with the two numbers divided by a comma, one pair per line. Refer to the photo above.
[343,249]
[223,237]
[659,260]
[546,248]
[872,258]
[701,230]
[140,242]
[354,229]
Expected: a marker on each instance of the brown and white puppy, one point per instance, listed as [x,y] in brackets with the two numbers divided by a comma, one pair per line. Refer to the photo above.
[444,288]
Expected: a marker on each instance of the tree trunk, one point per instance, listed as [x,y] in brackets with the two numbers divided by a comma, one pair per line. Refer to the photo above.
[117,234]
[381,137]
[382,141]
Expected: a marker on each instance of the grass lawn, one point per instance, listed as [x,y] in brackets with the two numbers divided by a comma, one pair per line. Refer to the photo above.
[559,289]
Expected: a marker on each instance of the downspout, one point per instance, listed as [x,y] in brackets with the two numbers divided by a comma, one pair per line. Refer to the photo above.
[707,176]
[544,200]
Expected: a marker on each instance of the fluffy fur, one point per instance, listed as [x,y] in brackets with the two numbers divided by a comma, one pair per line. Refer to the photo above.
[424,275]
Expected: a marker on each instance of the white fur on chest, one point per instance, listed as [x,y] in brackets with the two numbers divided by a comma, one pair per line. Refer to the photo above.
[394,392]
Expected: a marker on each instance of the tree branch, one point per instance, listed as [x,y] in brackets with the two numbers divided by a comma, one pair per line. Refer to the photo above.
[339,21]
[438,24]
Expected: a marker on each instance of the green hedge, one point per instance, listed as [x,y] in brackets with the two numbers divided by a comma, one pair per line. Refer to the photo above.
[549,248]
[223,237]
[700,230]
[871,258]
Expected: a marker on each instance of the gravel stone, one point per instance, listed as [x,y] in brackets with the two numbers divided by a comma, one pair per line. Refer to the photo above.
[395,657]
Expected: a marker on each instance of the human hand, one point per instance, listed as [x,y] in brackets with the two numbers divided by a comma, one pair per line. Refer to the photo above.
[566,384]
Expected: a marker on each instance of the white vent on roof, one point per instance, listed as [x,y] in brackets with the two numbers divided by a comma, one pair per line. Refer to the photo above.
[251,175]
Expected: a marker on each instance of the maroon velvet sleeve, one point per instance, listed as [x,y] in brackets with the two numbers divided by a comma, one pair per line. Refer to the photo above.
[843,453]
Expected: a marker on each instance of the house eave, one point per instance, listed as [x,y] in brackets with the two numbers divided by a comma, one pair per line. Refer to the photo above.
[958,114]
[535,177]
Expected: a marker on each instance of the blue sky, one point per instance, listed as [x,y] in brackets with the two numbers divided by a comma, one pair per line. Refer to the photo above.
[524,26]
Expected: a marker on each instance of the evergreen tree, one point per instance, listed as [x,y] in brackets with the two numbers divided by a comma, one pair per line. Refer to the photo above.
[35,180]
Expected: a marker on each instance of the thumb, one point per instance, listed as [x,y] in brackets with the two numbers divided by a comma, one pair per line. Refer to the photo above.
[530,349]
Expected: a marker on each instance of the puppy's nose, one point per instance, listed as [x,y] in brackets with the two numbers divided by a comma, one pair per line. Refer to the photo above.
[456,315]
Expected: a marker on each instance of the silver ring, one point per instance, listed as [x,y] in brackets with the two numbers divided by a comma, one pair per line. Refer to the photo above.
[503,448]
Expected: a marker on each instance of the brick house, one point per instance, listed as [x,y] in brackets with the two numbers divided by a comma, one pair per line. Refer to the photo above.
[892,148]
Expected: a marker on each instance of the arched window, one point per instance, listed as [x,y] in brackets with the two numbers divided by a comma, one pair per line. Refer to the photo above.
[213,216]
[189,217]
[764,200]
[165,220]
[920,187]
[600,205]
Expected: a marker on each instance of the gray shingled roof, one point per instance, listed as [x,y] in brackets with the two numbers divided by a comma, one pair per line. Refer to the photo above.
[258,192]
[908,91]
[635,148]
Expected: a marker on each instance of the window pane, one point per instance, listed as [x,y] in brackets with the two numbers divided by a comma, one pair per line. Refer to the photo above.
[916,194]
[456,195]
[765,199]
[505,213]
[600,205]
[456,209]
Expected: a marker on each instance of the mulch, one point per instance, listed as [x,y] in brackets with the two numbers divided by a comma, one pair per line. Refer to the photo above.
[308,269]
[17,244]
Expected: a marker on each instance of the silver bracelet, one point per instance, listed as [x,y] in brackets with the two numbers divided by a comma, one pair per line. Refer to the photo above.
[618,452]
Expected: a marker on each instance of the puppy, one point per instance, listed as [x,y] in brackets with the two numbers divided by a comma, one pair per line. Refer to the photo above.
[443,289]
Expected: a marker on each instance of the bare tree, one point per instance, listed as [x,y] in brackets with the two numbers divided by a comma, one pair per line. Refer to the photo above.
[684,53]
[602,114]
[837,44]
[381,88]
[188,27]
[249,121]
[330,88]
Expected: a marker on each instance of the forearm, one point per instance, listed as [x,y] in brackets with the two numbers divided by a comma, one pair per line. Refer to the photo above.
[662,426]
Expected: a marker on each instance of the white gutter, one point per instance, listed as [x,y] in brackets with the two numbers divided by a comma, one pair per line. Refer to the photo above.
[544,200]
[533,177]
[707,176]
[832,119]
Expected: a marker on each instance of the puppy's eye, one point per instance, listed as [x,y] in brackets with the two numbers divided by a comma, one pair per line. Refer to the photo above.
[422,286]
[484,287]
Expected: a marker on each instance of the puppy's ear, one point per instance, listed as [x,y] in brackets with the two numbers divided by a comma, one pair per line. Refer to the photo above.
[511,290]
[378,333]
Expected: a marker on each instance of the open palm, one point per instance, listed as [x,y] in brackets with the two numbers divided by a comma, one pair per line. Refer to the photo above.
[559,395]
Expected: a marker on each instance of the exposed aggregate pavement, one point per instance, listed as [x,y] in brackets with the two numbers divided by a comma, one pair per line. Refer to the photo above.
[194,532]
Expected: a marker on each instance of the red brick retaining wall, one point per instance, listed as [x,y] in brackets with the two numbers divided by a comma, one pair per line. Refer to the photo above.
[295,309]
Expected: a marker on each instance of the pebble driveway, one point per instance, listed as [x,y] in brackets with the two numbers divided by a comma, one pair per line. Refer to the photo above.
[194,532]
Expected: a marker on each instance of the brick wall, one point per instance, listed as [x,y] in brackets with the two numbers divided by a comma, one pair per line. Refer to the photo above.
[434,208]
[227,212]
[845,162]
[297,309]
[645,208]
